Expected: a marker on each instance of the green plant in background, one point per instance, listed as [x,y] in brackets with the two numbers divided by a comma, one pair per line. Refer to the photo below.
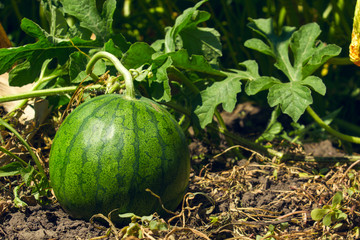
[331,214]
[294,96]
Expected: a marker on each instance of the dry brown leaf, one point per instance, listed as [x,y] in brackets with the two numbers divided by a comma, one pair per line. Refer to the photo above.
[4,40]
[6,90]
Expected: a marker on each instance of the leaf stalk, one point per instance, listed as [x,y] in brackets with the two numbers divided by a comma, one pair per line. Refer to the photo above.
[329,129]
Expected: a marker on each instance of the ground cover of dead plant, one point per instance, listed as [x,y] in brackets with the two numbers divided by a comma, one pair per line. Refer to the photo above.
[251,198]
[256,198]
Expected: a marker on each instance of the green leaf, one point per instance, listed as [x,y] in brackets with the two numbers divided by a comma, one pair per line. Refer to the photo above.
[11,169]
[224,92]
[159,83]
[302,46]
[337,225]
[127,215]
[340,215]
[251,72]
[27,174]
[139,53]
[315,83]
[35,54]
[327,220]
[317,214]
[293,98]
[259,46]
[195,63]
[337,199]
[189,18]
[90,18]
[78,62]
[279,44]
[308,55]
[112,48]
[202,41]
[55,16]
[260,84]
[147,218]
[270,133]
[17,201]
[321,54]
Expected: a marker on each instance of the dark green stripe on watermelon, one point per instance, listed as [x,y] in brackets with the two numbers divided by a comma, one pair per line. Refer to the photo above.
[110,149]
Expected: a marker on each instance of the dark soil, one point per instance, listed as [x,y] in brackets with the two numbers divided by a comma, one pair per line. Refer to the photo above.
[47,222]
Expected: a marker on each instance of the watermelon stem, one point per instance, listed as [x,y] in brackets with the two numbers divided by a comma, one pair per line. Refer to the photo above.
[130,90]
[49,92]
[318,120]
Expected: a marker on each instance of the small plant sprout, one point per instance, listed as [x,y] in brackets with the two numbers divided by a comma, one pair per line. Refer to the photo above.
[331,214]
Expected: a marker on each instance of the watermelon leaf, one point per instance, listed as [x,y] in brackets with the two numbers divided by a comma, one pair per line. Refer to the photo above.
[90,18]
[197,63]
[138,54]
[294,95]
[35,54]
[196,40]
[223,92]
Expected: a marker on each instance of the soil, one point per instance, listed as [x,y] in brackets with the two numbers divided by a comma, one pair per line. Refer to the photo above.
[251,198]
[44,222]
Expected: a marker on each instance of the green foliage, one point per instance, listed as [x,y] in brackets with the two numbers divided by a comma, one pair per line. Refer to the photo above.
[137,225]
[330,214]
[293,96]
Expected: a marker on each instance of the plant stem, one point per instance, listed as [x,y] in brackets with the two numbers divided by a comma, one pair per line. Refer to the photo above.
[48,92]
[183,79]
[177,107]
[27,146]
[249,144]
[13,156]
[332,131]
[130,90]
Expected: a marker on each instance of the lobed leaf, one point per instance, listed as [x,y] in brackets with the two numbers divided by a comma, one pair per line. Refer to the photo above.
[90,18]
[137,55]
[202,41]
[197,63]
[260,84]
[223,92]
[196,40]
[259,46]
[315,83]
[189,18]
[293,98]
[307,56]
[33,55]
[159,83]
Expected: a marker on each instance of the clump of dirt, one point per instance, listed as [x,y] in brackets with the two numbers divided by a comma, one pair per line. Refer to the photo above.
[45,222]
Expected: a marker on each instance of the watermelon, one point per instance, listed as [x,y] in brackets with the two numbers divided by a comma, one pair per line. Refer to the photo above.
[112,148]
